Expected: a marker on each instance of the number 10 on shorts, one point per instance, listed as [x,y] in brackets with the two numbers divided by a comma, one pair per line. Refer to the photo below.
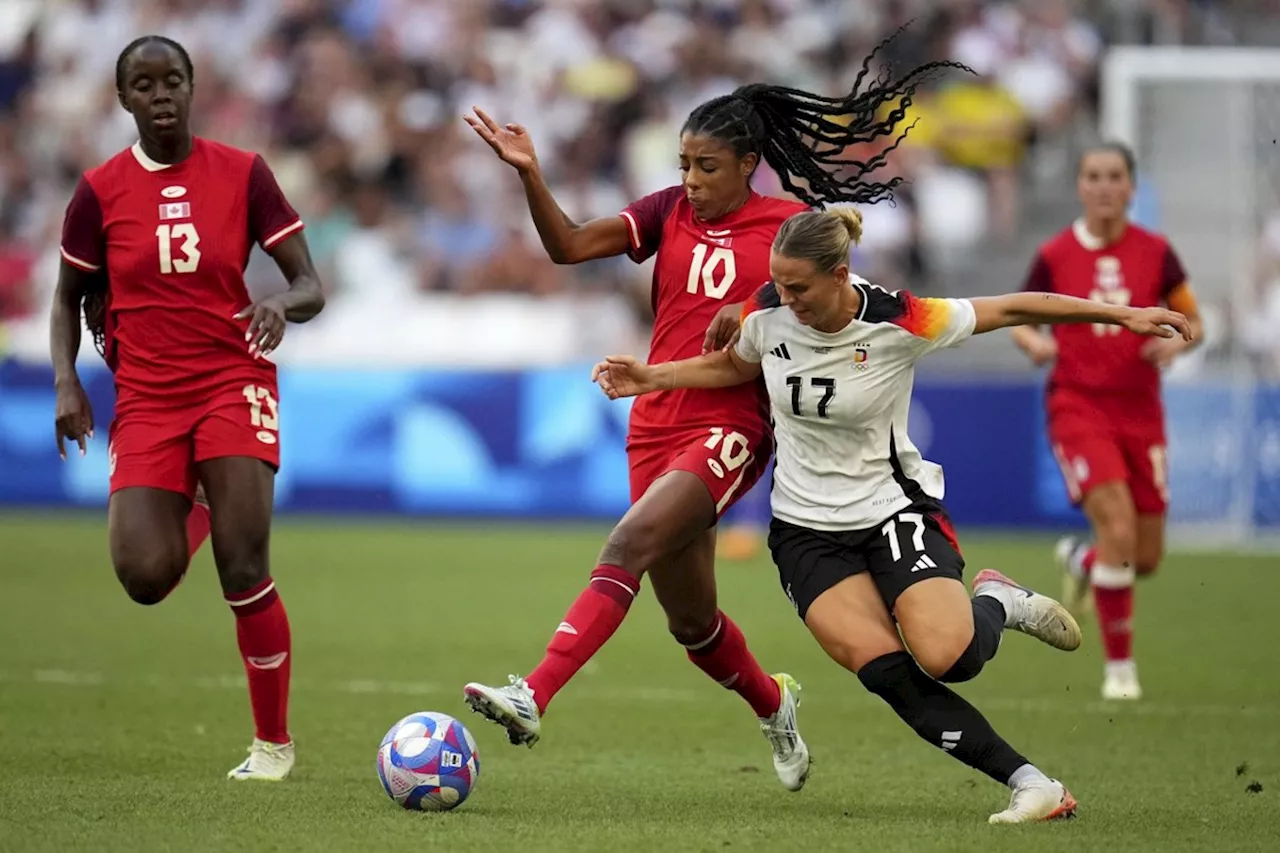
[263,412]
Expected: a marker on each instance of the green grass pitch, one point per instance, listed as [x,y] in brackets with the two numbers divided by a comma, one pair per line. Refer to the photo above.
[118,723]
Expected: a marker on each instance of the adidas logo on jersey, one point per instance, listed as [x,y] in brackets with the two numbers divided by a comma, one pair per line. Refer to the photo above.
[925,562]
[781,352]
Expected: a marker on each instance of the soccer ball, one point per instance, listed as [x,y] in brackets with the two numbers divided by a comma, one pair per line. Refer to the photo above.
[428,762]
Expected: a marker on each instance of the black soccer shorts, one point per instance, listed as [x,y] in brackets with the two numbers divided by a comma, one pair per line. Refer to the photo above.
[917,543]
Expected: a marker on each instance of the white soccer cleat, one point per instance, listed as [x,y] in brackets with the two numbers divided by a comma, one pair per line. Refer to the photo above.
[1121,681]
[1077,596]
[1036,801]
[1030,612]
[790,755]
[511,707]
[267,762]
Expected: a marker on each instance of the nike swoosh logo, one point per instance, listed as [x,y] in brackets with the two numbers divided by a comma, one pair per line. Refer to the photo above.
[268,662]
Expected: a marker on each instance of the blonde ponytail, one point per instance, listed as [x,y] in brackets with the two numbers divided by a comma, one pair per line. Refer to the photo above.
[822,237]
[851,219]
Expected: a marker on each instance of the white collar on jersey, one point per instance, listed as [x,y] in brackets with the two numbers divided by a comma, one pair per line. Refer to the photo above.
[1087,238]
[146,162]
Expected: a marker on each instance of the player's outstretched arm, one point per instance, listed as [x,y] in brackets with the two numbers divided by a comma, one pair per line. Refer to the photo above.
[73,418]
[566,241]
[624,376]
[1028,309]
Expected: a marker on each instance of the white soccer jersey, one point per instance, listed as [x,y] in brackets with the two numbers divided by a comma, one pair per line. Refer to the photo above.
[840,401]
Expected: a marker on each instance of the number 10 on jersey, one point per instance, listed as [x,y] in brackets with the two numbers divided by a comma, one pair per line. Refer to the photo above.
[706,265]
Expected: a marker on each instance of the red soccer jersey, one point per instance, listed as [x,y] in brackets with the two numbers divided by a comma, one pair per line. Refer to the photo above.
[174,240]
[1104,362]
[701,266]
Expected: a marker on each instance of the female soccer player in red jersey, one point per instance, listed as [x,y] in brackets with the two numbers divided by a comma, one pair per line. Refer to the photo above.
[693,453]
[154,247]
[1106,421]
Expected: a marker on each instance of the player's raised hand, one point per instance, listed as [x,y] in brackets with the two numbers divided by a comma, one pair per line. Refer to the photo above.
[1158,323]
[73,418]
[725,329]
[266,325]
[623,376]
[511,142]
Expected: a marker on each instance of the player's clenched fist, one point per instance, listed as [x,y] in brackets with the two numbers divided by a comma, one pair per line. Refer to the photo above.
[74,417]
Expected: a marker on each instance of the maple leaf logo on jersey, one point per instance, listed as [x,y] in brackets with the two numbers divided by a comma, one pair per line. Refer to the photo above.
[175,210]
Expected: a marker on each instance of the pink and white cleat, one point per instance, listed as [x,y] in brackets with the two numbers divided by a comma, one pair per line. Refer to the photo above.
[1030,612]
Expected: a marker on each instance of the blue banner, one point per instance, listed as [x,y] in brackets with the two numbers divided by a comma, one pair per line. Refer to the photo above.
[547,444]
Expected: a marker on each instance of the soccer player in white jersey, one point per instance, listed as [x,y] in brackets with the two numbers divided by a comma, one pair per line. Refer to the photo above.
[863,546]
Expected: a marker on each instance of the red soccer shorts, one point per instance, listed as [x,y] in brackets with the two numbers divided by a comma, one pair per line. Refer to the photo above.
[1093,449]
[158,444]
[729,461]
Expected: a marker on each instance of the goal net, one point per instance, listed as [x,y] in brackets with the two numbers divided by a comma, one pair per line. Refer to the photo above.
[1204,124]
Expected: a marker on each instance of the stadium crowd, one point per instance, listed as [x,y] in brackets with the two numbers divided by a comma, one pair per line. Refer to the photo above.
[357,106]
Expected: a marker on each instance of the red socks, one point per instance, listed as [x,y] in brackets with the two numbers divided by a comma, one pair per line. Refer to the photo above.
[590,622]
[724,656]
[262,630]
[1113,599]
[596,615]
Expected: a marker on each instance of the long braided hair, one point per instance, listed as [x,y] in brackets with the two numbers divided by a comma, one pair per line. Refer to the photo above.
[803,137]
[94,299]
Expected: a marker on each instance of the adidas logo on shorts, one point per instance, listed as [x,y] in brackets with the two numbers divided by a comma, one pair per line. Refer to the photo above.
[925,562]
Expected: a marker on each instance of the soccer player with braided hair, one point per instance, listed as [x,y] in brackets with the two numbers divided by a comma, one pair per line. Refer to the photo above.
[154,246]
[692,453]
[864,548]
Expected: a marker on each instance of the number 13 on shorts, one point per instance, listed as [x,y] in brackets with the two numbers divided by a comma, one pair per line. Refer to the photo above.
[264,413]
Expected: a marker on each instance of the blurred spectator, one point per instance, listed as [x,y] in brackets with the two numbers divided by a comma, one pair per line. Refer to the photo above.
[357,106]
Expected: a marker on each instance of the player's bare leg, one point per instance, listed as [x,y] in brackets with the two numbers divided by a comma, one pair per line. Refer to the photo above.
[147,531]
[854,628]
[674,514]
[654,529]
[1109,507]
[1149,548]
[240,491]
[685,586]
[744,527]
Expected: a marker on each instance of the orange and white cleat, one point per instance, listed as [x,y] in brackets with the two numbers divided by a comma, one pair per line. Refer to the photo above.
[1037,801]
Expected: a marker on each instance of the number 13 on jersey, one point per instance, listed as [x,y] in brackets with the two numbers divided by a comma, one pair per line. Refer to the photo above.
[184,233]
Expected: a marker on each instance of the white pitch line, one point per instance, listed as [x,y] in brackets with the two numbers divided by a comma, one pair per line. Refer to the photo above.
[374,687]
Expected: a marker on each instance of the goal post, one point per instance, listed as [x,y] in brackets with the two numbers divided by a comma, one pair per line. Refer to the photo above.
[1203,124]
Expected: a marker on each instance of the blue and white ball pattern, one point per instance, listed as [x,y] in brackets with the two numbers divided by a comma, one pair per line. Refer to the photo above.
[428,762]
